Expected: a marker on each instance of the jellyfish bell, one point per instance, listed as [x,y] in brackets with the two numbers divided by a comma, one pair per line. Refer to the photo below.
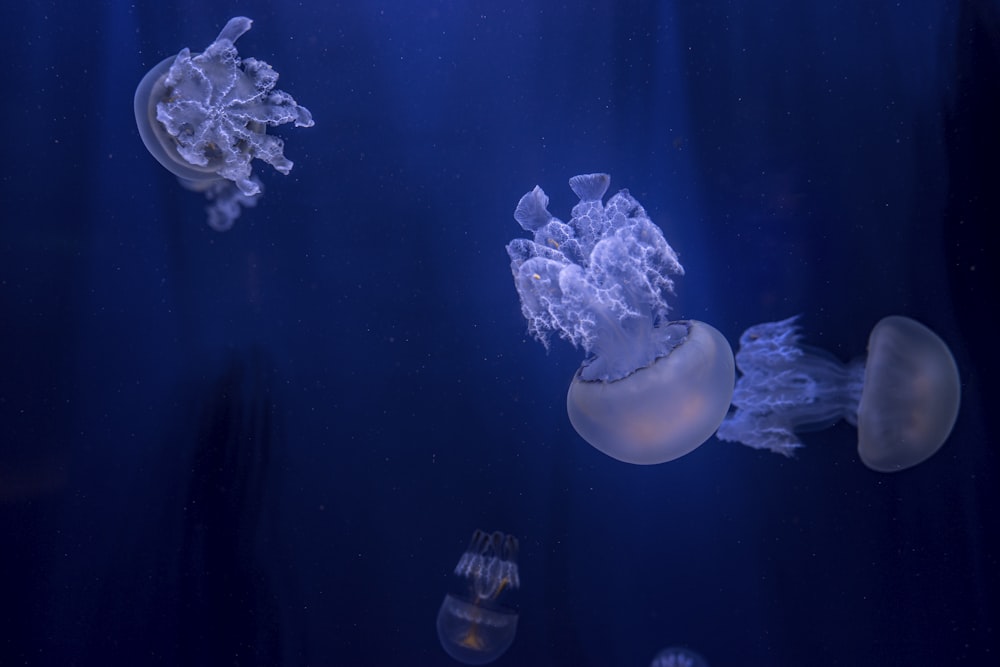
[910,398]
[475,632]
[661,411]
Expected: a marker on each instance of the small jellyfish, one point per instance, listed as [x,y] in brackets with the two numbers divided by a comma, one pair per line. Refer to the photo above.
[904,398]
[651,390]
[472,627]
[678,656]
[204,117]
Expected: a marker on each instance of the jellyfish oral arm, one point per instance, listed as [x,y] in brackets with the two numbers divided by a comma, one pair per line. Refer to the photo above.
[600,280]
[219,106]
[787,387]
[234,28]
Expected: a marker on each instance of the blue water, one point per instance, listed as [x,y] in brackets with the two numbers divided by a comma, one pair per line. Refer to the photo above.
[270,446]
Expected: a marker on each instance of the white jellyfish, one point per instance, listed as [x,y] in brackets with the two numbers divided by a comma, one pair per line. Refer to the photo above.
[651,390]
[904,398]
[204,117]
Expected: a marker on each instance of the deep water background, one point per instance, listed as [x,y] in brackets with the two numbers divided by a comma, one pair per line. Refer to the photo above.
[270,446]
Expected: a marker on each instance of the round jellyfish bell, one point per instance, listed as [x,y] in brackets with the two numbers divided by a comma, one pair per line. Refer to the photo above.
[651,390]
[904,398]
[662,411]
[910,398]
[475,633]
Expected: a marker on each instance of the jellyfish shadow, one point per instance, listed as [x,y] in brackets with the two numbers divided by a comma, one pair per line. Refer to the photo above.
[227,595]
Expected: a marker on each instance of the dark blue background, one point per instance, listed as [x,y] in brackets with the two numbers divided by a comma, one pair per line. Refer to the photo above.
[270,446]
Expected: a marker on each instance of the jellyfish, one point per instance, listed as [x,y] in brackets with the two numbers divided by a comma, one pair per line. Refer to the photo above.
[678,656]
[472,626]
[651,390]
[204,117]
[903,398]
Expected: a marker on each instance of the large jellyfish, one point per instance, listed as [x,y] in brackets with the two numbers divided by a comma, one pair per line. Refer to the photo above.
[651,390]
[204,117]
[904,398]
[472,626]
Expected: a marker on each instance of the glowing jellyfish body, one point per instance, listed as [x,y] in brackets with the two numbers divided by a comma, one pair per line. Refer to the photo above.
[904,398]
[472,626]
[652,390]
[204,117]
[678,656]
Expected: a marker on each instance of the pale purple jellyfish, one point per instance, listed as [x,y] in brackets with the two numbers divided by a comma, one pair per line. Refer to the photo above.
[204,117]
[903,398]
[651,390]
[473,626]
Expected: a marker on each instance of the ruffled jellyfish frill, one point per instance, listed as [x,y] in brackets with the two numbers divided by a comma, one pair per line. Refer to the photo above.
[904,398]
[651,390]
[204,117]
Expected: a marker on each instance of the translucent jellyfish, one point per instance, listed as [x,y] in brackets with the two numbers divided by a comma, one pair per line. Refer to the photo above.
[204,117]
[651,390]
[472,627]
[904,399]
[678,656]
